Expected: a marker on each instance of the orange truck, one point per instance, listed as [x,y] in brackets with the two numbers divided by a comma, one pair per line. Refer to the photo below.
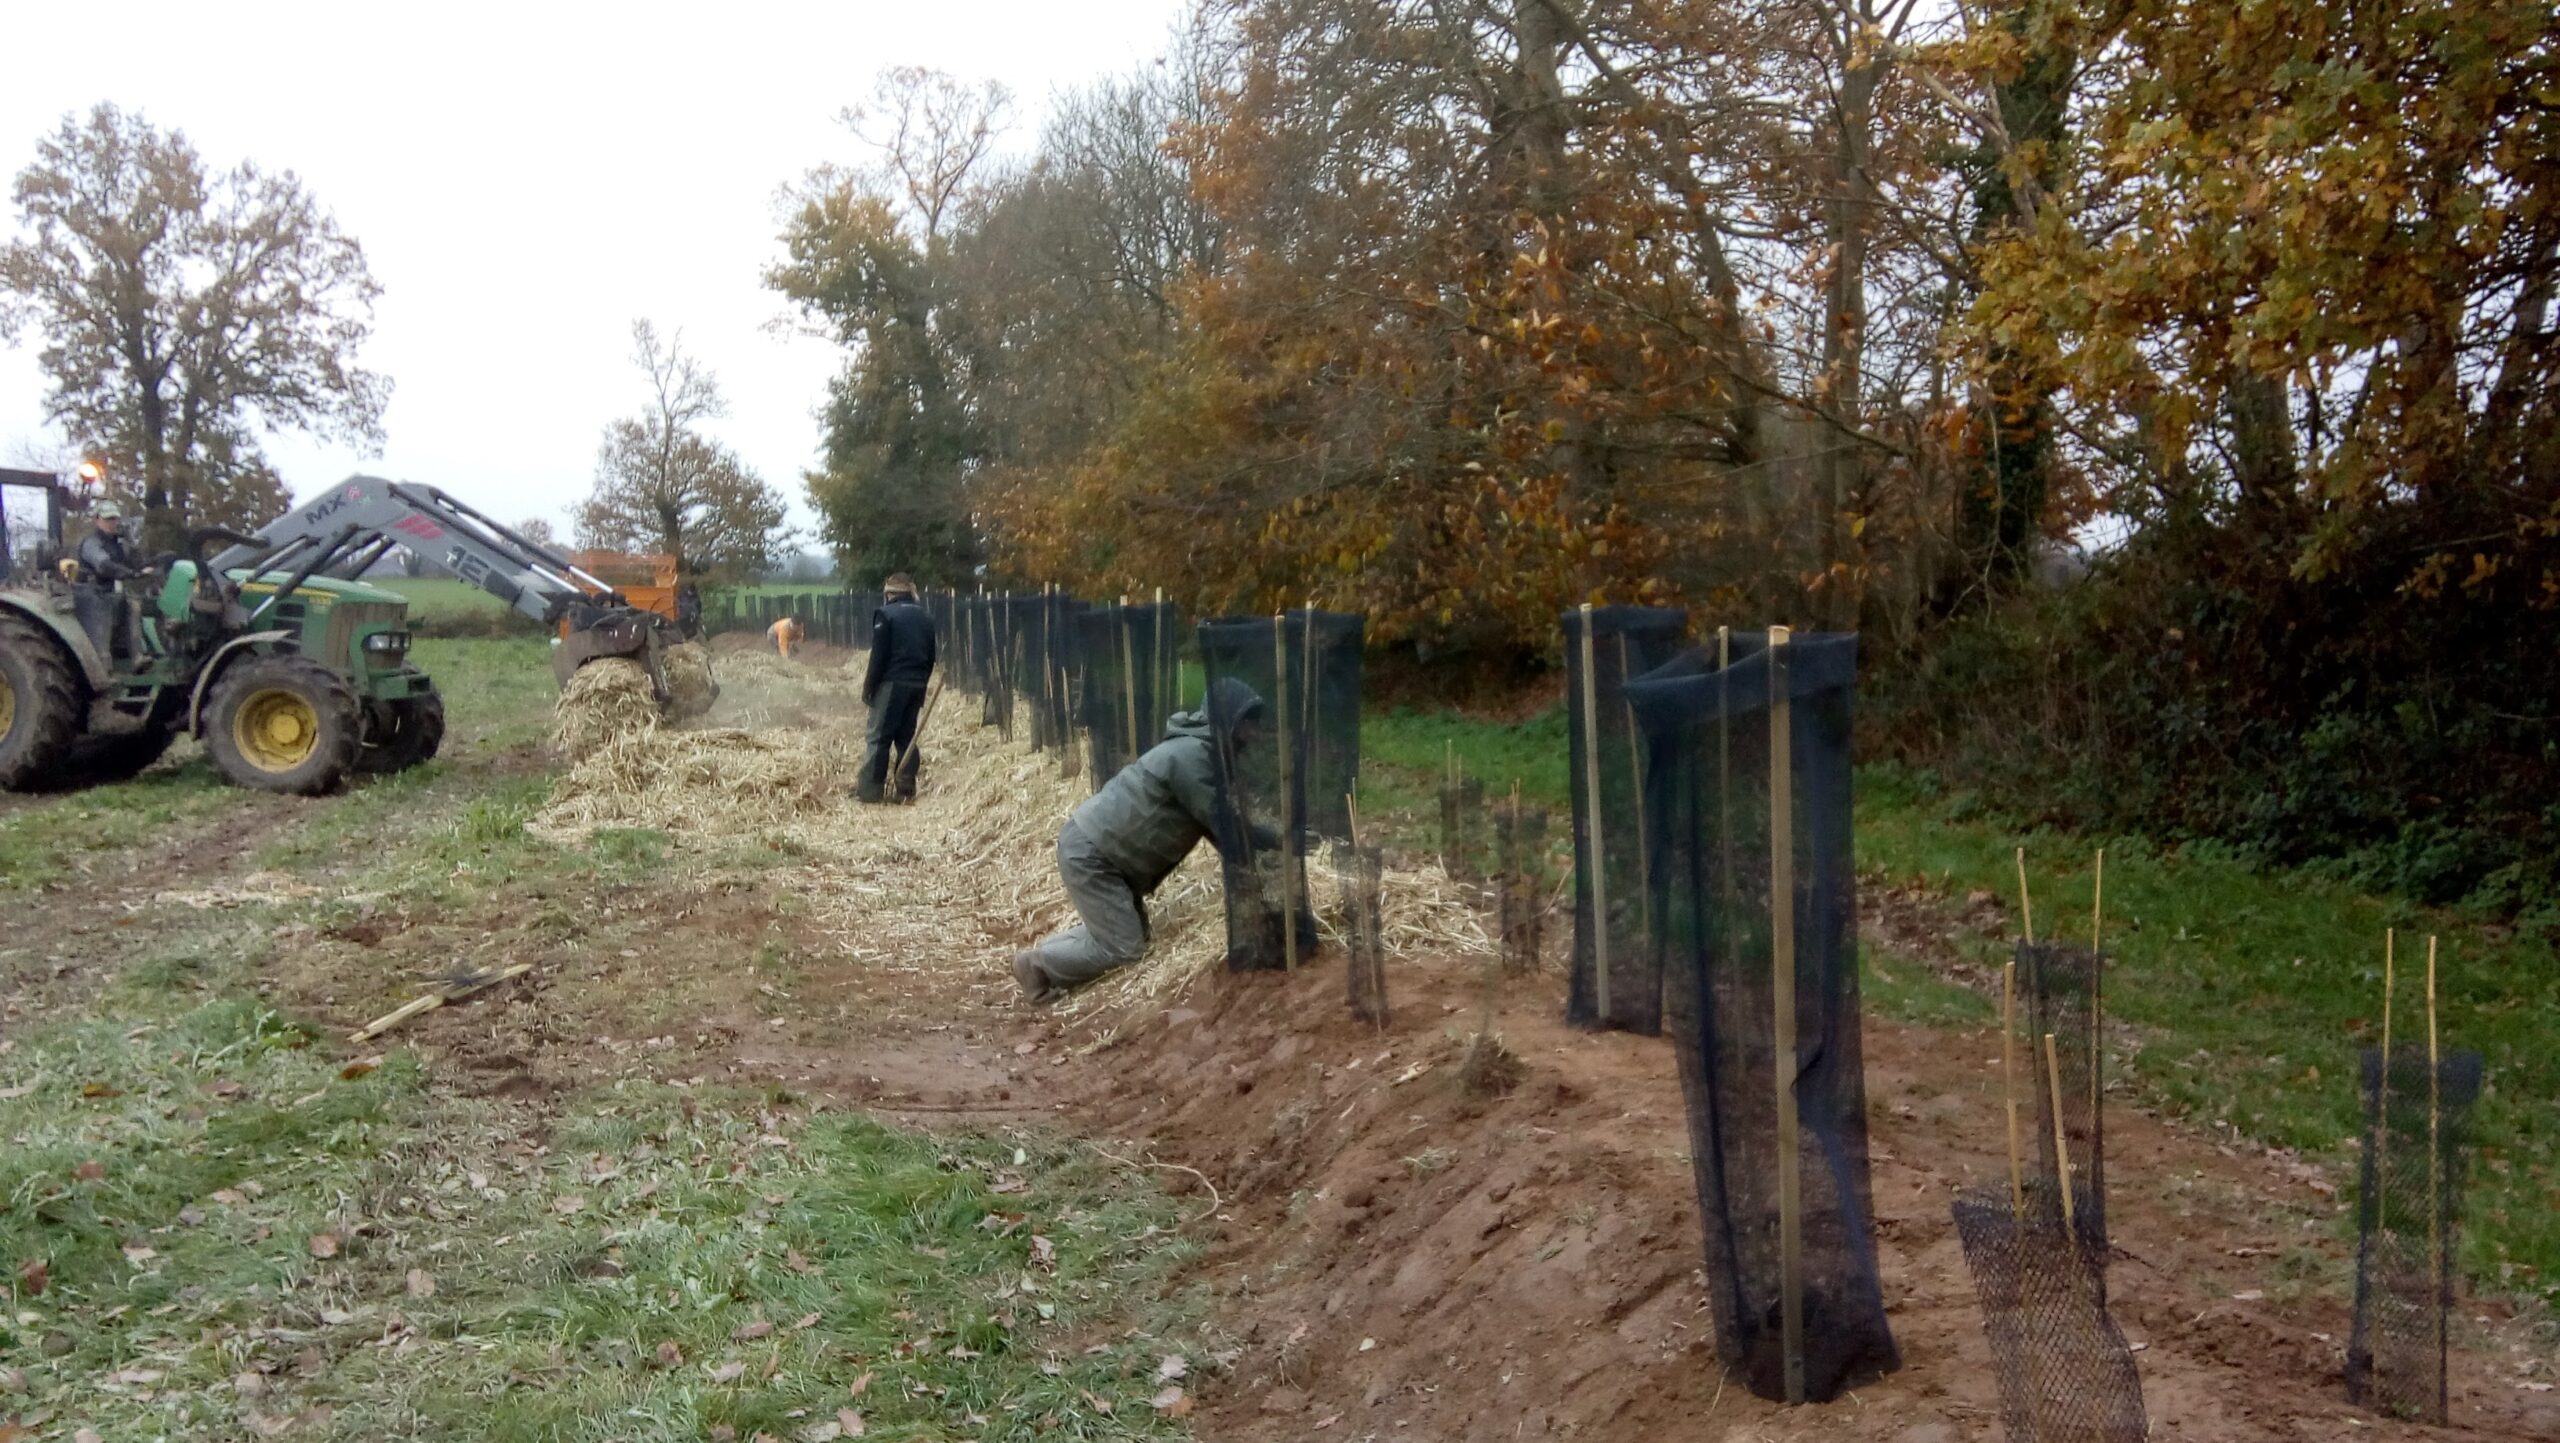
[647,582]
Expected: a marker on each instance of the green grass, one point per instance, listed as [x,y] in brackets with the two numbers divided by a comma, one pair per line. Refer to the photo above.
[2249,991]
[212,1231]
[53,839]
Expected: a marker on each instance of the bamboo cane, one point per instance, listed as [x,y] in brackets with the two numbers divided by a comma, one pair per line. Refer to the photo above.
[2097,997]
[2009,1084]
[2435,1170]
[2026,909]
[1280,714]
[2061,1146]
[1592,841]
[1782,999]
[2378,1143]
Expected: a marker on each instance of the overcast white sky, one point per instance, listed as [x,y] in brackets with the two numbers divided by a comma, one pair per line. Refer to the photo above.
[528,178]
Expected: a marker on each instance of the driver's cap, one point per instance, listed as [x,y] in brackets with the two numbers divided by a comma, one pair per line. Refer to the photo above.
[108,511]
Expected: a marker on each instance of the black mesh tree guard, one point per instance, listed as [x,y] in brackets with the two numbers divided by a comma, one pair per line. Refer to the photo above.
[1617,974]
[1754,897]
[1520,884]
[2408,1227]
[1289,783]
[1129,675]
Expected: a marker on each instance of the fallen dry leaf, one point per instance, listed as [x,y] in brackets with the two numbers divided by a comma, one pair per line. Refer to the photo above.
[669,1355]
[568,1203]
[87,1435]
[825,1430]
[13,1380]
[101,1089]
[33,1276]
[861,1385]
[324,1245]
[1174,1367]
[12,1094]
[805,1323]
[354,1070]
[1172,1402]
[850,1422]
[1044,1253]
[422,1284]
[751,1331]
[90,1171]
[138,1255]
[228,1198]
[728,1372]
[792,1259]
[1095,1401]
[224,1088]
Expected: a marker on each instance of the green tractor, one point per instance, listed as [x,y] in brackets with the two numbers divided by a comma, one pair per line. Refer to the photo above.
[293,674]
[292,683]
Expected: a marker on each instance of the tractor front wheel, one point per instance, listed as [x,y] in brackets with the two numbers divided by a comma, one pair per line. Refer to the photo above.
[41,701]
[283,724]
[403,734]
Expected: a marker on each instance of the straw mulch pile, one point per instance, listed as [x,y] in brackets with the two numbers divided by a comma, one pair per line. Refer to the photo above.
[945,889]
[691,688]
[607,701]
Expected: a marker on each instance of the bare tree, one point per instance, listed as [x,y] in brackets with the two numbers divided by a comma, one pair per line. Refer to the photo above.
[932,131]
[662,485]
[185,313]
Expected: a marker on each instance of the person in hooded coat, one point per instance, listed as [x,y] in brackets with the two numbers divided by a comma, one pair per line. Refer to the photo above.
[1123,841]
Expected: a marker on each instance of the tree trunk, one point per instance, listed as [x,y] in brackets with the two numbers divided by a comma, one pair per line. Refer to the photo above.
[1840,391]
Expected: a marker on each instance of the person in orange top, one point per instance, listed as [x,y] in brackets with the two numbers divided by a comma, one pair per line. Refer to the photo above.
[785,634]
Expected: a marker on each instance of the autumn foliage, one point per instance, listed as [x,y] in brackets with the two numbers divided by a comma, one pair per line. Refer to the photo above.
[1831,312]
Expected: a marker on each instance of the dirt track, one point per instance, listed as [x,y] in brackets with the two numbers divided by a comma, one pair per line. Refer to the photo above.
[1392,1257]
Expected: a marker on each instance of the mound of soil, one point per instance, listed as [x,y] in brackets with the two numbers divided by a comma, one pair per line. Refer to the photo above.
[1403,1259]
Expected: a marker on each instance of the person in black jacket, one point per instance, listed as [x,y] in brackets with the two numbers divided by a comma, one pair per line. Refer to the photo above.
[894,688]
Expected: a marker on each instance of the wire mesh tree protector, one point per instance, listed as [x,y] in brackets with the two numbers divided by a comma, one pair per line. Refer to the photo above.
[1292,779]
[1617,973]
[2061,985]
[1754,893]
[2417,1112]
[1520,884]
[1462,848]
[1364,930]
[2065,1373]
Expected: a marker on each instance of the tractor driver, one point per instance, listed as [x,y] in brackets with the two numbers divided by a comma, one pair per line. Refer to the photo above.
[104,561]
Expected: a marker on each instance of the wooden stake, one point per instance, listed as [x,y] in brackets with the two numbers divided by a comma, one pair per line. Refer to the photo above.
[1635,779]
[1782,983]
[2026,909]
[1129,677]
[2061,1144]
[1592,869]
[1280,715]
[2009,1084]
[452,991]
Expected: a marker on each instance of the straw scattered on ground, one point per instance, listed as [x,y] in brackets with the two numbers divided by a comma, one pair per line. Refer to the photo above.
[955,882]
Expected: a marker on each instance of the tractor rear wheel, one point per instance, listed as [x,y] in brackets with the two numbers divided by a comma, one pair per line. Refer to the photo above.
[41,701]
[404,734]
[283,724]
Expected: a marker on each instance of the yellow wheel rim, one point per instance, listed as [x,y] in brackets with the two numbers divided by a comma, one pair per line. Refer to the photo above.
[8,706]
[276,730]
